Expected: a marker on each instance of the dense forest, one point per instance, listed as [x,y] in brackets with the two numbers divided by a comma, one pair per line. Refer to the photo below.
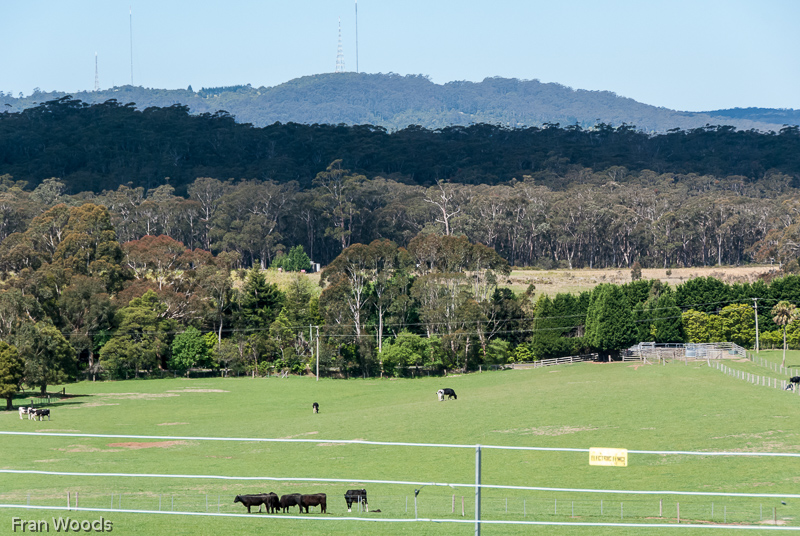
[102,146]
[394,102]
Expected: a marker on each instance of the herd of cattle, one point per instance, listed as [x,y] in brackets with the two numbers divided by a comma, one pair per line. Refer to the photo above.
[34,413]
[272,503]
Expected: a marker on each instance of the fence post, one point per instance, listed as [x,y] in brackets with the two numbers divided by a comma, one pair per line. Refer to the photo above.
[661,508]
[68,508]
[679,511]
[477,490]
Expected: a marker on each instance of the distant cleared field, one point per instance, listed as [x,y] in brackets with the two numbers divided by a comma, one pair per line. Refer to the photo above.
[551,282]
[640,407]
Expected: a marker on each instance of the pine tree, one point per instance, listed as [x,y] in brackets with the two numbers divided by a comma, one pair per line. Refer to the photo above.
[609,322]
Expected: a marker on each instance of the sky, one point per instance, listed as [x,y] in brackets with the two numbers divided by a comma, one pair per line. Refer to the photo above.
[691,55]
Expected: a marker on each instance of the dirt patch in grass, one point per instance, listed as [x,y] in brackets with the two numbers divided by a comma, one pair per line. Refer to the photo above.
[93,405]
[135,396]
[299,435]
[149,445]
[760,435]
[196,390]
[85,449]
[47,461]
[171,423]
[547,430]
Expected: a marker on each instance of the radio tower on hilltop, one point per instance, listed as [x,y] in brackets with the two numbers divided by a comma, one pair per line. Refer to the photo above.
[339,53]
[96,75]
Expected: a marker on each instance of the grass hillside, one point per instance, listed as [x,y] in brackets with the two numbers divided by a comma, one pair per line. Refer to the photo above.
[689,407]
[552,282]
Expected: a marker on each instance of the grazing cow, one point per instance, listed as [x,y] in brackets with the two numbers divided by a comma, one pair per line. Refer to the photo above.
[39,413]
[794,380]
[272,503]
[23,411]
[287,501]
[440,394]
[356,496]
[315,407]
[449,393]
[252,500]
[317,499]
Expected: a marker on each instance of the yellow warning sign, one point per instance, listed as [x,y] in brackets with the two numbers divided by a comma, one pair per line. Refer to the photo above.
[612,457]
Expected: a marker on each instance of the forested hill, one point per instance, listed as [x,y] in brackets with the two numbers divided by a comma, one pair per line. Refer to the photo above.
[101,146]
[395,102]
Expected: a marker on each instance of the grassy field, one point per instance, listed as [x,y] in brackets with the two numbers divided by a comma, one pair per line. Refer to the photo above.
[674,407]
[551,282]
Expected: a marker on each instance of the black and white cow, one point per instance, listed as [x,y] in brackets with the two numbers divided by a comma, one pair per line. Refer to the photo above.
[38,414]
[794,380]
[356,496]
[23,411]
[449,393]
[315,407]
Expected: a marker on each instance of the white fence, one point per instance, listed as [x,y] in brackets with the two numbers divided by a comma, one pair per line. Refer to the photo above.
[747,515]
[554,361]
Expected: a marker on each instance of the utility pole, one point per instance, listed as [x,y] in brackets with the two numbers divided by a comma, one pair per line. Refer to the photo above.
[755,307]
[130,21]
[356,36]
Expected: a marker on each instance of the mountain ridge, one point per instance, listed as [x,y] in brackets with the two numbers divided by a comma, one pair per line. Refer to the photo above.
[394,102]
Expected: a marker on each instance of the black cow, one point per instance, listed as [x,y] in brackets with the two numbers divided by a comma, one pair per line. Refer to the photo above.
[287,501]
[315,407]
[272,502]
[39,414]
[794,380]
[317,499]
[449,393]
[252,500]
[356,496]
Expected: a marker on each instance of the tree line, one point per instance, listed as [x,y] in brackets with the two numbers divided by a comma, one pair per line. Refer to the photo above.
[105,145]
[77,302]
[605,219]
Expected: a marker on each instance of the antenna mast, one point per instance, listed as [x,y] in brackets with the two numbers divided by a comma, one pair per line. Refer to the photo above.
[339,53]
[130,14]
[356,36]
[96,77]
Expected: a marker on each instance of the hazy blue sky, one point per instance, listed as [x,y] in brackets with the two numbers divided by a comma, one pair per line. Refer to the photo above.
[681,54]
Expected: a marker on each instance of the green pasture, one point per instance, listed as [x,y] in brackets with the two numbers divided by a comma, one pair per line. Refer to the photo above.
[690,407]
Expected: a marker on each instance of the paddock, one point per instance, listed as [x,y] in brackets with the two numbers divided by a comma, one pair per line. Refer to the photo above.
[174,426]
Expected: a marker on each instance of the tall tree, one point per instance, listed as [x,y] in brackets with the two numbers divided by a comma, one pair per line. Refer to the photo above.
[49,359]
[783,314]
[609,321]
[12,371]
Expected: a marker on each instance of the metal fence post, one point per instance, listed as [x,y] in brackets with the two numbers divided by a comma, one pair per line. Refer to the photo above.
[477,490]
